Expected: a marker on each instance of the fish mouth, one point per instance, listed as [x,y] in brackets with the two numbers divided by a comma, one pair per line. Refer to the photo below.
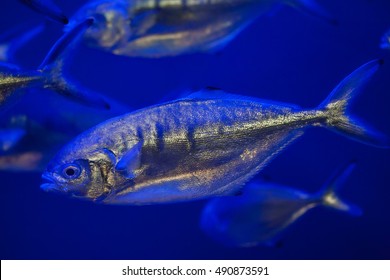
[49,183]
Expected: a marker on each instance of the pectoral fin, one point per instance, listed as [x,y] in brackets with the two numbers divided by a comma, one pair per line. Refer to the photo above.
[130,162]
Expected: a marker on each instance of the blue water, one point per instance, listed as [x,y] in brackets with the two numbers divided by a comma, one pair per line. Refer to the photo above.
[287,57]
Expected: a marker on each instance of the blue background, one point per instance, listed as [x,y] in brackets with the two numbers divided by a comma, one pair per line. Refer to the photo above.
[288,57]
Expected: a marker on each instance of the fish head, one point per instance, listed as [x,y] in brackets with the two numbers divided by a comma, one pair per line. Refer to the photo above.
[111,23]
[85,176]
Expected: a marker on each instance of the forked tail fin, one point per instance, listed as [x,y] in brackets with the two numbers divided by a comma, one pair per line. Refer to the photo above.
[329,197]
[53,65]
[337,103]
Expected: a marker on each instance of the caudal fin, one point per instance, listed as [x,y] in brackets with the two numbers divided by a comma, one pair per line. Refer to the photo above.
[47,8]
[329,196]
[312,8]
[337,103]
[53,65]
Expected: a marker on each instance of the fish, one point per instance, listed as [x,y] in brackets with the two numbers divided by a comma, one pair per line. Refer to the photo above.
[264,210]
[15,81]
[33,131]
[207,144]
[163,28]
[385,42]
[12,41]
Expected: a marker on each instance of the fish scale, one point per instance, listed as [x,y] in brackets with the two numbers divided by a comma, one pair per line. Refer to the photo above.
[220,143]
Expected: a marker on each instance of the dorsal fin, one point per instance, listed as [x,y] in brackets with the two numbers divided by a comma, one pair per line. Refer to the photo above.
[210,93]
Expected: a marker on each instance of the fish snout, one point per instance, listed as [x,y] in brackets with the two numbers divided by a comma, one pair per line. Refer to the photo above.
[49,183]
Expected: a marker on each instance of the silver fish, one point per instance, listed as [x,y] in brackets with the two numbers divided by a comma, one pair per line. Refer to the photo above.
[385,42]
[14,81]
[264,210]
[158,28]
[205,145]
[12,41]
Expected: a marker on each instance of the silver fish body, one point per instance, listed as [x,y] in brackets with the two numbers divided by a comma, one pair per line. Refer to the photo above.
[157,28]
[191,149]
[264,210]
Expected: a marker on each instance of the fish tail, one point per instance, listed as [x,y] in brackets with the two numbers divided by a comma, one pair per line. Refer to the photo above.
[329,194]
[47,8]
[312,8]
[52,69]
[337,103]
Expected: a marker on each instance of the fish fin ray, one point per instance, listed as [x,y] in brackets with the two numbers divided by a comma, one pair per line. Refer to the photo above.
[337,103]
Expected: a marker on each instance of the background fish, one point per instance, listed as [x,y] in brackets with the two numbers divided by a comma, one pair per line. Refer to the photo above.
[265,210]
[197,147]
[48,8]
[12,41]
[141,28]
[33,131]
[385,43]
[49,76]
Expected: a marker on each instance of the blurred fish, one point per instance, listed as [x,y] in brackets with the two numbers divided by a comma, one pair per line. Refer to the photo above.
[265,210]
[48,8]
[205,145]
[385,43]
[33,131]
[157,28]
[14,40]
[49,76]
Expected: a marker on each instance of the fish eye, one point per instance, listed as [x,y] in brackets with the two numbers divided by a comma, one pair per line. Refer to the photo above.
[71,171]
